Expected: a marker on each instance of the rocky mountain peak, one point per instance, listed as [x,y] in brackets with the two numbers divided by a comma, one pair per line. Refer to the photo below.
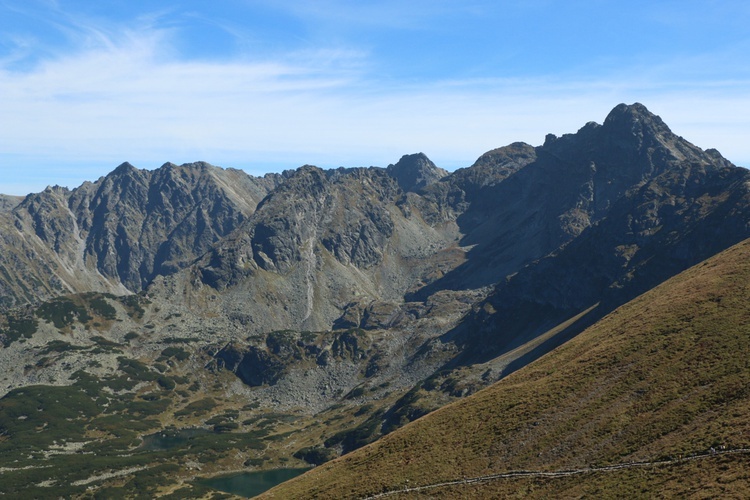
[306,181]
[635,120]
[117,233]
[123,169]
[498,164]
[415,172]
[631,147]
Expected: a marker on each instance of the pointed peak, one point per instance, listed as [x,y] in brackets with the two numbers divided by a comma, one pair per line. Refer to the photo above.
[633,109]
[627,111]
[56,189]
[416,157]
[415,171]
[124,168]
[305,174]
[636,112]
[635,120]
[308,169]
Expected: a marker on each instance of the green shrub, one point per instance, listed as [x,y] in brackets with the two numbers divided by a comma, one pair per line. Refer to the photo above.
[363,410]
[18,326]
[56,410]
[175,352]
[63,312]
[104,342]
[136,370]
[133,306]
[226,427]
[101,307]
[254,462]
[118,384]
[180,340]
[148,408]
[59,346]
[355,393]
[199,407]
[315,455]
[166,383]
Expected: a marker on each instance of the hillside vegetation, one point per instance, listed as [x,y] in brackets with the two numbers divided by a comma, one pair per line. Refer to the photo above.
[663,378]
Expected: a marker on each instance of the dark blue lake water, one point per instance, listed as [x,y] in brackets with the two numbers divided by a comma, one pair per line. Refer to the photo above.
[249,484]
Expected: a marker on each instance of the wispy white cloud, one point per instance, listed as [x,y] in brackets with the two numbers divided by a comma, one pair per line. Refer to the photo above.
[125,94]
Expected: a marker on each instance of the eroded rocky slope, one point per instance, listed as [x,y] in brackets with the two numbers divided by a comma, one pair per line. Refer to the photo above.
[651,401]
[118,233]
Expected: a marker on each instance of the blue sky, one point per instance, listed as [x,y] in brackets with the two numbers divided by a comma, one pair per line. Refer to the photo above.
[268,85]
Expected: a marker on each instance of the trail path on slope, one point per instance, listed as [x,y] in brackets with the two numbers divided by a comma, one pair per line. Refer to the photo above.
[562,473]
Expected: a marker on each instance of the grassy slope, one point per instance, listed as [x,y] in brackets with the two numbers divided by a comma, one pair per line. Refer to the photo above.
[666,375]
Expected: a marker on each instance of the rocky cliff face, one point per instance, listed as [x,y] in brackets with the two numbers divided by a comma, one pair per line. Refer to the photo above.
[318,243]
[648,206]
[608,211]
[598,216]
[415,172]
[118,233]
[525,238]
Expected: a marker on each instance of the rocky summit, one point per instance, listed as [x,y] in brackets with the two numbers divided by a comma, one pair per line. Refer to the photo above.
[118,233]
[303,315]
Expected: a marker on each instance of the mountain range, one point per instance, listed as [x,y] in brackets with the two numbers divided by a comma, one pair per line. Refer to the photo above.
[650,401]
[351,301]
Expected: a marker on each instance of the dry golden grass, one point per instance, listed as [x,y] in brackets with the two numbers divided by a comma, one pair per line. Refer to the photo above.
[716,477]
[664,376]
